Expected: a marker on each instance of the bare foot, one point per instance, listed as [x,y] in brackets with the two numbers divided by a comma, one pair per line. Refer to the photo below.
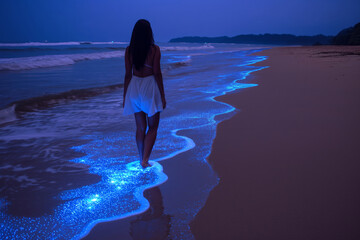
[145,164]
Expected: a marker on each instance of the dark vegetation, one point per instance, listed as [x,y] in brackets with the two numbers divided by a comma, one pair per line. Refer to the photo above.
[348,36]
[274,39]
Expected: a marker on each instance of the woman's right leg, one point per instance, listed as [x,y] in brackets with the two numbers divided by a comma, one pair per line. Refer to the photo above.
[150,138]
[140,119]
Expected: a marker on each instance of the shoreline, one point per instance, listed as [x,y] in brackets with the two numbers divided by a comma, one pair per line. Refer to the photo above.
[192,177]
[194,190]
[288,161]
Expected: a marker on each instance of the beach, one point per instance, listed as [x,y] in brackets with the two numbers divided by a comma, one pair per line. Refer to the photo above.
[247,148]
[288,161]
[258,135]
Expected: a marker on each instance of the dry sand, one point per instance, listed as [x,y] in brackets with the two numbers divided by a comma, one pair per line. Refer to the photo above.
[289,161]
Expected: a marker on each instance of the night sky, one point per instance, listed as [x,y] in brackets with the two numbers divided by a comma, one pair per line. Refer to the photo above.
[113,20]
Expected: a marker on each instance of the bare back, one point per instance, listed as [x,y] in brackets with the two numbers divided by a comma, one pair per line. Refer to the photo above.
[148,68]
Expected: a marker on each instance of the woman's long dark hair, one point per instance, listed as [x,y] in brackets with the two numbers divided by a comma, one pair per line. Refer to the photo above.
[141,40]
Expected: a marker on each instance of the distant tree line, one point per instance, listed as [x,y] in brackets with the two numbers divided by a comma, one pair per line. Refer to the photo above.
[274,39]
[349,36]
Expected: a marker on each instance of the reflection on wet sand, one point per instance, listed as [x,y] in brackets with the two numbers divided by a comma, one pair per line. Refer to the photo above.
[153,224]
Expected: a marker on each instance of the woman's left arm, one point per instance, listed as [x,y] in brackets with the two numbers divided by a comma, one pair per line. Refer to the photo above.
[158,75]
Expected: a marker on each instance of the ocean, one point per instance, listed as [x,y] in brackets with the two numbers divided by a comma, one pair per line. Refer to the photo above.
[68,154]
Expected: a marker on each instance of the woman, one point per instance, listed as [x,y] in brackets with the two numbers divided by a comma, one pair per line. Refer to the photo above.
[143,87]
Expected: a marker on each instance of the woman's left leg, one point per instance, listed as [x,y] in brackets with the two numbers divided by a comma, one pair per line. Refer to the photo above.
[140,119]
[150,137]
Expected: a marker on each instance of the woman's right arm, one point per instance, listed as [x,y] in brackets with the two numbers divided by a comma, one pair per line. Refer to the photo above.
[128,73]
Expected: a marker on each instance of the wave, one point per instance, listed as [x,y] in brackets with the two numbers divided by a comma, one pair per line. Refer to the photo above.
[43,61]
[29,44]
[176,64]
[7,114]
[31,49]
[16,109]
[183,48]
[26,63]
[44,44]
[10,113]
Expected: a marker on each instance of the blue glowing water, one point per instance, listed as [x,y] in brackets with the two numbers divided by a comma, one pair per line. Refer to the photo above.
[81,156]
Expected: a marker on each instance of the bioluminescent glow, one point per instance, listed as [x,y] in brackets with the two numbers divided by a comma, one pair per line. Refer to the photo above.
[110,150]
[118,192]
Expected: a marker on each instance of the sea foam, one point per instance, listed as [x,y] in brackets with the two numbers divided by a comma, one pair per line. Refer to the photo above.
[7,114]
[43,61]
[25,63]
[36,44]
[187,48]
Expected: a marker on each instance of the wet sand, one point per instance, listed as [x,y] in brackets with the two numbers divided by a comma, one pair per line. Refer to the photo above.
[172,204]
[289,161]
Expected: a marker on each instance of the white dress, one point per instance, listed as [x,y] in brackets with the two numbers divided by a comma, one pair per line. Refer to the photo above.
[143,94]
